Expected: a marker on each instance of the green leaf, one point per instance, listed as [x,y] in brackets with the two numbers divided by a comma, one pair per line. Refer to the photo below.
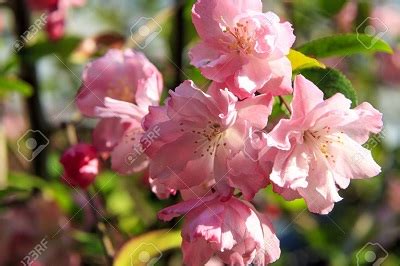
[62,48]
[331,8]
[300,61]
[147,248]
[55,190]
[10,65]
[90,244]
[24,181]
[344,45]
[331,81]
[14,85]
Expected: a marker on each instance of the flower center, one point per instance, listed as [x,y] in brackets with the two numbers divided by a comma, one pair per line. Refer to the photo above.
[121,91]
[322,139]
[209,139]
[241,38]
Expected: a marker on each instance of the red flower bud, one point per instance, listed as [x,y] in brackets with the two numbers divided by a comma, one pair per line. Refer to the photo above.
[81,165]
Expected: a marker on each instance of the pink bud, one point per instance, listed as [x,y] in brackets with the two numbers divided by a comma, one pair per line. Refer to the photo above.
[42,4]
[81,165]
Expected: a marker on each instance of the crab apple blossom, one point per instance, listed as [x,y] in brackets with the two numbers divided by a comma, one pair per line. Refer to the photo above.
[118,88]
[242,47]
[81,165]
[55,25]
[319,149]
[56,14]
[228,228]
[42,4]
[200,134]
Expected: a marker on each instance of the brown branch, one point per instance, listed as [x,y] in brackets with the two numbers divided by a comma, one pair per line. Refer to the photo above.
[28,73]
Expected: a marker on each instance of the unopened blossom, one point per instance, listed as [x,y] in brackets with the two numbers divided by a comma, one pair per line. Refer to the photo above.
[228,228]
[119,88]
[55,24]
[81,165]
[57,11]
[319,149]
[242,47]
[201,134]
[42,4]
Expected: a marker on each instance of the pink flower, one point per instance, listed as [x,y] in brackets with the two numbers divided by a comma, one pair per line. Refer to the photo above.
[42,4]
[242,46]
[81,165]
[200,135]
[389,67]
[55,25]
[230,229]
[56,14]
[119,88]
[346,17]
[121,75]
[386,18]
[318,149]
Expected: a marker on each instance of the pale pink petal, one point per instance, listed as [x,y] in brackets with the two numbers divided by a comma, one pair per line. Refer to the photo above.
[352,160]
[107,134]
[182,208]
[306,96]
[283,132]
[246,175]
[281,78]
[120,75]
[162,191]
[212,63]
[120,109]
[369,121]
[256,110]
[208,15]
[291,168]
[287,193]
[271,250]
[321,192]
[191,254]
[253,75]
[156,115]
[128,156]
[284,33]
[178,170]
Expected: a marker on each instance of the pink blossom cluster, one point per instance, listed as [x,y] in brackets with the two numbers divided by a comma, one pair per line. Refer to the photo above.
[212,146]
[56,12]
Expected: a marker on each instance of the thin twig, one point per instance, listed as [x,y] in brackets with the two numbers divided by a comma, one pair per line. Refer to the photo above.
[101,228]
[283,102]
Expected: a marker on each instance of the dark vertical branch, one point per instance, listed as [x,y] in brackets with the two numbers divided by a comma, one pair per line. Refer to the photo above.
[28,74]
[179,40]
